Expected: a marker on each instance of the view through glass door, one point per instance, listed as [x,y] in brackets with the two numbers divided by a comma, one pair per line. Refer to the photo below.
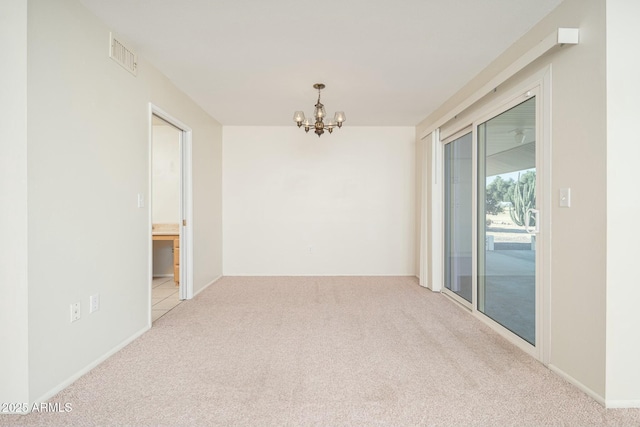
[458,216]
[508,219]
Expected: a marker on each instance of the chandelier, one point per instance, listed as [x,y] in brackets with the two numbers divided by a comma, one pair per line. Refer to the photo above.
[319,115]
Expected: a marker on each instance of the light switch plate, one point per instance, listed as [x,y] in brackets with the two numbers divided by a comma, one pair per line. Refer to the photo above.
[94,303]
[565,197]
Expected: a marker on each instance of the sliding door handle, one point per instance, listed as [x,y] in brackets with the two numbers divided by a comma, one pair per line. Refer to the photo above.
[535,213]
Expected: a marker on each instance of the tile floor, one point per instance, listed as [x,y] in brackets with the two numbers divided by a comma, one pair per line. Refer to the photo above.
[164,297]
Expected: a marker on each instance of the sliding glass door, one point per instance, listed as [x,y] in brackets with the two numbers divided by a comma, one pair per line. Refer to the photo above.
[491,220]
[508,219]
[458,216]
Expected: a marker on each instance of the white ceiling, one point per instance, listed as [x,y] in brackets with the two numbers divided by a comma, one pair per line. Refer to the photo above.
[254,62]
[510,140]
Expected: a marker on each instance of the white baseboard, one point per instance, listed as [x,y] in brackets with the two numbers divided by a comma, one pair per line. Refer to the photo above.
[607,403]
[66,383]
[595,396]
[622,404]
[434,287]
[162,275]
[207,285]
[298,275]
[320,275]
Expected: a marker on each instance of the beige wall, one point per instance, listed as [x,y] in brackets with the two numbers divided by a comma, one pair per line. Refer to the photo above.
[88,158]
[343,204]
[623,204]
[13,200]
[578,160]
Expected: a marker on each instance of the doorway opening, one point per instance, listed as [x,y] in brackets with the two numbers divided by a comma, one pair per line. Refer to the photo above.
[170,260]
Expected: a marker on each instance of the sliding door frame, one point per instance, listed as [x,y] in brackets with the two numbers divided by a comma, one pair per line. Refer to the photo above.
[448,140]
[539,85]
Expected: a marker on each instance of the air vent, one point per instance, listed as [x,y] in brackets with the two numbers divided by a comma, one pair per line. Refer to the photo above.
[123,55]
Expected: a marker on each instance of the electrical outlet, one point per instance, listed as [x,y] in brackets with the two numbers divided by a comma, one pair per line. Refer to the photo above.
[75,312]
[94,303]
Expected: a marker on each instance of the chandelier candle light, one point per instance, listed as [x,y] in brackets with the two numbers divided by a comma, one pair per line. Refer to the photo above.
[319,115]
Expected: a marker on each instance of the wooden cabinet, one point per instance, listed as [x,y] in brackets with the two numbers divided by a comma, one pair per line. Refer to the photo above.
[170,232]
[176,260]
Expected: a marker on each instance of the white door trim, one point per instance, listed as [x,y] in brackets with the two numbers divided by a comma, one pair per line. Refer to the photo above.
[186,203]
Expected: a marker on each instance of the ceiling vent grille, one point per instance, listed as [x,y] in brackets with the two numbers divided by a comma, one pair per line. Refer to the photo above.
[123,55]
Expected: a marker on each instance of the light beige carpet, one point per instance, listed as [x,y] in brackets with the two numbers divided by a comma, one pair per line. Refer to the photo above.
[331,351]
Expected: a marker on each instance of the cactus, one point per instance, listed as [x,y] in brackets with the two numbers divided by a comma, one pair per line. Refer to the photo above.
[523,198]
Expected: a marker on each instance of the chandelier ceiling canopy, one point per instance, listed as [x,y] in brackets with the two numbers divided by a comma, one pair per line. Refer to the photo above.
[319,115]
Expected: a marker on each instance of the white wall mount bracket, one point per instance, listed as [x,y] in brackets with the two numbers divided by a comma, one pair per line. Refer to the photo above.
[568,36]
